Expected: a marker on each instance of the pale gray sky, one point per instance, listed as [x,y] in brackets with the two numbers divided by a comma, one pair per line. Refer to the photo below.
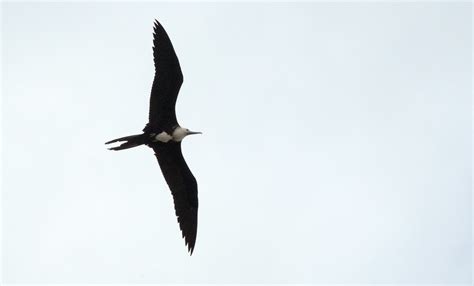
[336,146]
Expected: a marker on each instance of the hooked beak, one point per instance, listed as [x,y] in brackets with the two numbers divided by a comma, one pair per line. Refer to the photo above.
[192,132]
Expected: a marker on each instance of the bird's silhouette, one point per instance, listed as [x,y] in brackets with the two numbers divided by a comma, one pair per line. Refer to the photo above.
[163,134]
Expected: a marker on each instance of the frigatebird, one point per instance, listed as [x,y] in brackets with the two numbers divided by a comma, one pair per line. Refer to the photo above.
[163,134]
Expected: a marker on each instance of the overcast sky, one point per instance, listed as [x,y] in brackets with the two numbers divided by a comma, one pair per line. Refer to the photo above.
[336,145]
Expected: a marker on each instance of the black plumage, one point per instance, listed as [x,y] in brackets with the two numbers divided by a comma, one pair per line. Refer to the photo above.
[183,186]
[162,118]
[166,84]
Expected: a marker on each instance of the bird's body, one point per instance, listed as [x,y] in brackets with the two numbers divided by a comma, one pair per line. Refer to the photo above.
[178,134]
[164,135]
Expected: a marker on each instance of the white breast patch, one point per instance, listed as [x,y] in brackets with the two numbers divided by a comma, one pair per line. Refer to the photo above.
[163,137]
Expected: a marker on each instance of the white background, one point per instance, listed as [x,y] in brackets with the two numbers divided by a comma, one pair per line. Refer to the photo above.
[336,145]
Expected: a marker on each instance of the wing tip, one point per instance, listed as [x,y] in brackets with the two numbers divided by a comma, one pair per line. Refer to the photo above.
[189,237]
[189,242]
[156,24]
[190,249]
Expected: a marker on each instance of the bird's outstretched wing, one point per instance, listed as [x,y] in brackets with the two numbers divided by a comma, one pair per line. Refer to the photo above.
[166,84]
[183,187]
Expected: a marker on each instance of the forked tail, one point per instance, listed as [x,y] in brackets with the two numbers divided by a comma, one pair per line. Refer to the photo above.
[130,142]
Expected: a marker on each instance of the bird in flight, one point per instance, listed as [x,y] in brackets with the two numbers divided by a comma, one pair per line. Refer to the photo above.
[163,134]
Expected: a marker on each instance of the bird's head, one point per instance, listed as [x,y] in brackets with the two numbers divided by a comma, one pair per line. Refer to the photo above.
[180,132]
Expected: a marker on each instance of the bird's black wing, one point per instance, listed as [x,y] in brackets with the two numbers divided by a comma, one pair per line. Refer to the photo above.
[183,186]
[166,84]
